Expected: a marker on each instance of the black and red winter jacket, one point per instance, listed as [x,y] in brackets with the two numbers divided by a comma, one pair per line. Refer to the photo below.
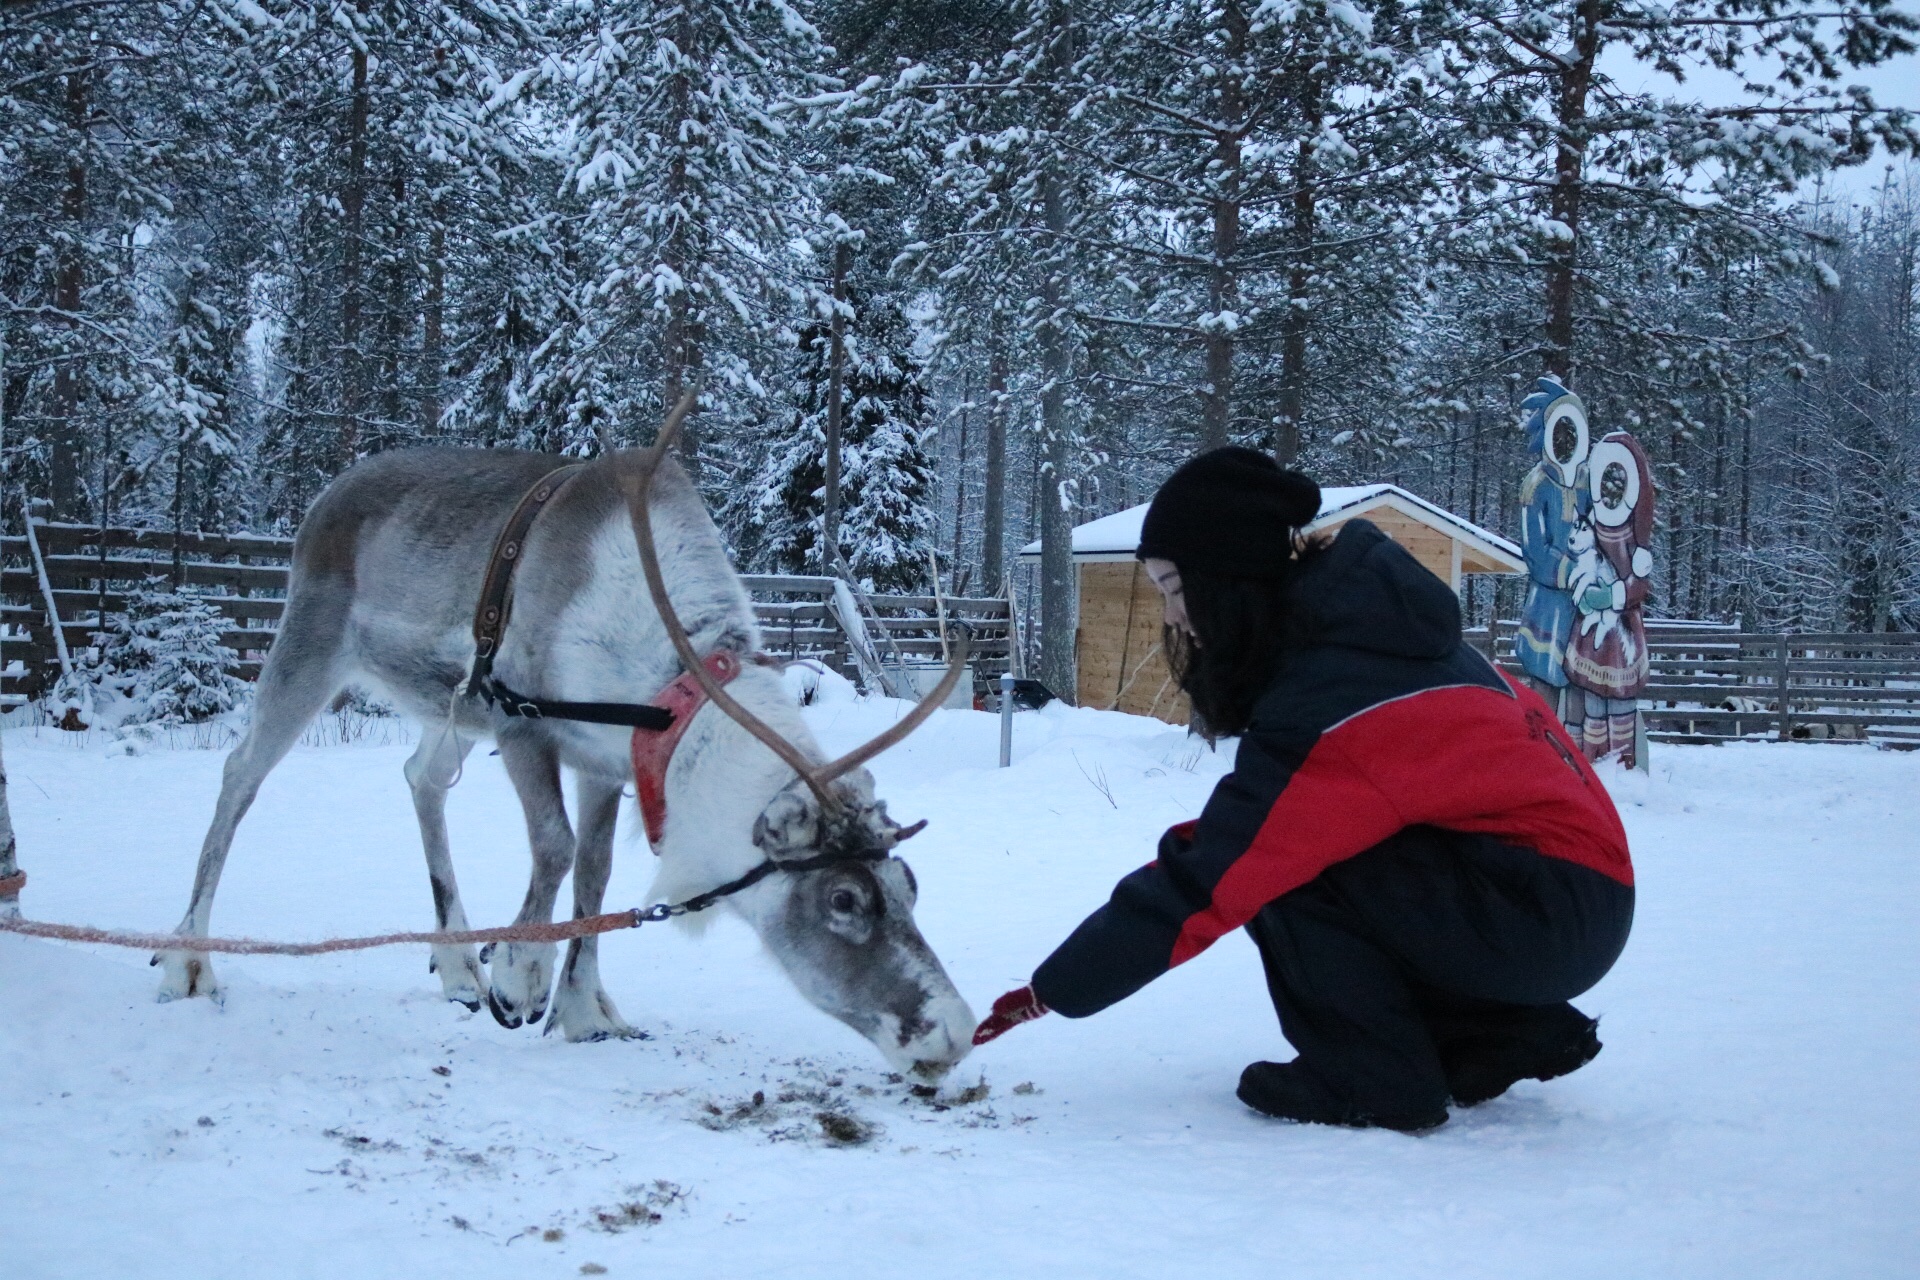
[1384,719]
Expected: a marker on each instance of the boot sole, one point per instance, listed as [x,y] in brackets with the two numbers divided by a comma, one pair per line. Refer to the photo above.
[1576,1056]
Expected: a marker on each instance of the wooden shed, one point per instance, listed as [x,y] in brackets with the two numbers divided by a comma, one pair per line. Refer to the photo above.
[1120,666]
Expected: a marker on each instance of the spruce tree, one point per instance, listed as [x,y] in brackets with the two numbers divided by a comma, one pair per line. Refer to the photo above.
[887,519]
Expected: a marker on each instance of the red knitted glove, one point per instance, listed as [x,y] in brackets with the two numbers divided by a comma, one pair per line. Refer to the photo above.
[1009,1011]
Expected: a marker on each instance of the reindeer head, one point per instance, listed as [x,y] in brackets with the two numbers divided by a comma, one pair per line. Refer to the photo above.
[841,925]
[845,933]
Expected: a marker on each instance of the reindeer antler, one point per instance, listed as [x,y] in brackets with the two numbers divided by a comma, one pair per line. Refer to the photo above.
[817,777]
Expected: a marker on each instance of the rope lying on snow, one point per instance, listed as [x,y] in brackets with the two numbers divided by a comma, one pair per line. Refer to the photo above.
[586,926]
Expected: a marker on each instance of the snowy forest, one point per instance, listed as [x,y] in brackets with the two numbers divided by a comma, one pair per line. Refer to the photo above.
[1018,258]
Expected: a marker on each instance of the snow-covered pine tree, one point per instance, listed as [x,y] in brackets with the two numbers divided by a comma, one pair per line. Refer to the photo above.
[381,134]
[887,519]
[190,419]
[678,144]
[1266,156]
[1553,144]
[1017,168]
[84,161]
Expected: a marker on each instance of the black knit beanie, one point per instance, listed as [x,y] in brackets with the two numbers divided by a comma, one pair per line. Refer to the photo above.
[1231,512]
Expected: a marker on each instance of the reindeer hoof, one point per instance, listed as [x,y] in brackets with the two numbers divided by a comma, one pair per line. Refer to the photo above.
[588,1016]
[520,983]
[461,978]
[501,1014]
[187,975]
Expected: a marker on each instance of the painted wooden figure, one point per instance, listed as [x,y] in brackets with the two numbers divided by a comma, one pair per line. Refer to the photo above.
[1553,505]
[1606,658]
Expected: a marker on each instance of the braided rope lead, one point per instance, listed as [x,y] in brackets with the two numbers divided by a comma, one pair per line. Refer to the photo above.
[564,931]
[586,926]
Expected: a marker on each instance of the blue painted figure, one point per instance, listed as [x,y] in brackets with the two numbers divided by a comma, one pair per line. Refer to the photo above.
[1553,505]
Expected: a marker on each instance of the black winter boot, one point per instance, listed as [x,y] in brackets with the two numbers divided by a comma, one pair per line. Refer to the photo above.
[1558,1041]
[1288,1091]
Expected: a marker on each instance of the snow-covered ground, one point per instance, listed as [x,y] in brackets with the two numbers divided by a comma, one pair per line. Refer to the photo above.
[1754,1113]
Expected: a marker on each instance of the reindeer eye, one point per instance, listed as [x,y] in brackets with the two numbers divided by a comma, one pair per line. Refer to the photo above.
[843,900]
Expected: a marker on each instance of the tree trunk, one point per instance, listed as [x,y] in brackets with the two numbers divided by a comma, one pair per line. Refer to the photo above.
[993,517]
[353,205]
[1057,594]
[65,431]
[960,477]
[1223,280]
[433,327]
[1290,402]
[1569,185]
[836,394]
[396,312]
[1057,667]
[179,502]
[682,342]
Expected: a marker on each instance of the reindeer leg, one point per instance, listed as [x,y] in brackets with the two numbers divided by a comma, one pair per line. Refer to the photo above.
[430,771]
[522,972]
[300,675]
[581,1008]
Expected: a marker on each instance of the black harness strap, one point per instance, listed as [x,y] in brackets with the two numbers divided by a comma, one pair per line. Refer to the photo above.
[630,714]
[496,606]
[701,901]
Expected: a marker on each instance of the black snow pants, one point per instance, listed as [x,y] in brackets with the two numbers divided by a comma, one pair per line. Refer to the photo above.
[1429,938]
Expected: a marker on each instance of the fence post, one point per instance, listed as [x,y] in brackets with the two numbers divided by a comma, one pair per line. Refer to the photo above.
[1781,675]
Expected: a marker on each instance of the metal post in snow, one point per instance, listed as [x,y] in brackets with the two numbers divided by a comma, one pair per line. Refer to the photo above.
[1783,677]
[1006,718]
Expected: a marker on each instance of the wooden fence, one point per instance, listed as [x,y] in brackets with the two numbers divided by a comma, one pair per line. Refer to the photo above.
[1710,684]
[245,578]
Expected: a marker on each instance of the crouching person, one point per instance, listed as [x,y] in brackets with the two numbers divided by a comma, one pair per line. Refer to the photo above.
[1428,866]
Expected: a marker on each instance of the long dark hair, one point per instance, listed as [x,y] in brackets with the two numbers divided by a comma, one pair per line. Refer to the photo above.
[1243,630]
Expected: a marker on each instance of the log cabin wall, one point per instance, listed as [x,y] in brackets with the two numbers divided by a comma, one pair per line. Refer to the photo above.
[1121,665]
[1432,547]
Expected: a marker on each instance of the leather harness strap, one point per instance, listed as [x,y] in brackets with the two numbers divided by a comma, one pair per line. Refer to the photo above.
[496,589]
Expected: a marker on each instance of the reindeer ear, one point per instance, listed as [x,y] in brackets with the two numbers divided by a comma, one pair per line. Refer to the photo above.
[789,823]
[856,789]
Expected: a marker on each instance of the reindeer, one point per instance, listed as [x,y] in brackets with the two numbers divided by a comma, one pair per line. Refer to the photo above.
[387,566]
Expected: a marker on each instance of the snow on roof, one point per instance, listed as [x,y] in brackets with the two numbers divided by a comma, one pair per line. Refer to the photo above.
[1119,533]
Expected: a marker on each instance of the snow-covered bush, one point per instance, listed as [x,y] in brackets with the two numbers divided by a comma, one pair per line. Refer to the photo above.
[162,663]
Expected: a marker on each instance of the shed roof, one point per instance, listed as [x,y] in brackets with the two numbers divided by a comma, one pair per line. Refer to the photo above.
[1116,537]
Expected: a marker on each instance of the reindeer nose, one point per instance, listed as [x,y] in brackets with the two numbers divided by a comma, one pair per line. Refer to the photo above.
[949,1040]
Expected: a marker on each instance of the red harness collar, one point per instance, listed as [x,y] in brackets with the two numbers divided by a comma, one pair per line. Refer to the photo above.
[653,748]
